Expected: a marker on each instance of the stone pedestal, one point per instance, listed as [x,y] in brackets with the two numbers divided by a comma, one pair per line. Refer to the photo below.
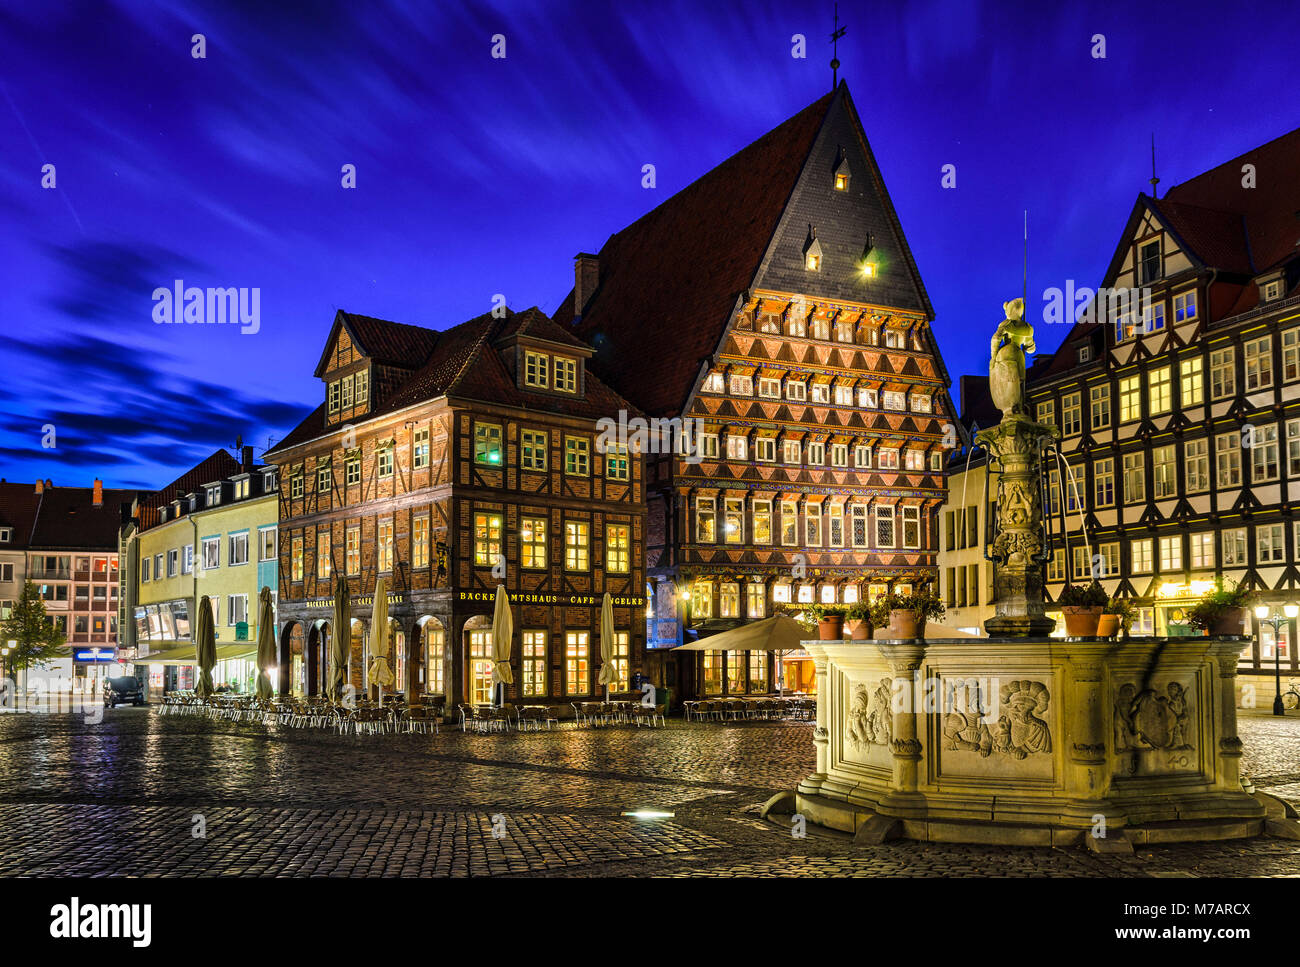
[1017,549]
[1029,741]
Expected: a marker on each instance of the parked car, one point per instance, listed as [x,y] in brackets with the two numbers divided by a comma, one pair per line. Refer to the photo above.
[120,691]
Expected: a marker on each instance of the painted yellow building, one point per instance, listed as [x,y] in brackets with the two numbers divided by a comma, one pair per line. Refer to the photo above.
[202,537]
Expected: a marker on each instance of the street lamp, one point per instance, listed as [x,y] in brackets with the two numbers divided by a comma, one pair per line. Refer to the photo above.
[1266,616]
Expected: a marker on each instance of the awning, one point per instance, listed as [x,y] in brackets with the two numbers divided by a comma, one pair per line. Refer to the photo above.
[781,633]
[185,654]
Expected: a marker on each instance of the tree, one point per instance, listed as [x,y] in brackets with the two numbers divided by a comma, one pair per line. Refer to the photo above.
[39,641]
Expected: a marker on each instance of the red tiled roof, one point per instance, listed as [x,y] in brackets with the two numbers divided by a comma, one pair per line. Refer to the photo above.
[1268,210]
[1217,238]
[669,281]
[464,364]
[218,466]
[391,343]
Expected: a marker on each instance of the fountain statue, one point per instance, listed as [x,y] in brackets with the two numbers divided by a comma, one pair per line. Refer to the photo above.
[1015,447]
[1022,738]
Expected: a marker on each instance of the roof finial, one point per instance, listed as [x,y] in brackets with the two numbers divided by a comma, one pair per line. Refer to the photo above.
[1154,180]
[835,49]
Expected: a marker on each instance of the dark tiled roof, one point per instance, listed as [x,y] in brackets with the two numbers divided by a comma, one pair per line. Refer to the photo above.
[1217,238]
[465,364]
[69,520]
[218,466]
[669,281]
[391,343]
[18,504]
[1271,228]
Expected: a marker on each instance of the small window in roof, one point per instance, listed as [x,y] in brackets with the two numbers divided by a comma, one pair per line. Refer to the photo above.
[842,172]
[812,251]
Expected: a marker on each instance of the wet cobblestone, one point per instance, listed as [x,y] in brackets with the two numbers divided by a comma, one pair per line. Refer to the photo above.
[130,795]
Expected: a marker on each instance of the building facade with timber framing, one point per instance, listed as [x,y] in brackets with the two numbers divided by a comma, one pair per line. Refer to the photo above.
[451,462]
[1181,417]
[776,301]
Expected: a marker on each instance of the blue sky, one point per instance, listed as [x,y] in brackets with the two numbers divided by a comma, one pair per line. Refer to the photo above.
[478,176]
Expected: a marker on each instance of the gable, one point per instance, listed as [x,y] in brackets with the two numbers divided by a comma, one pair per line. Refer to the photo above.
[843,221]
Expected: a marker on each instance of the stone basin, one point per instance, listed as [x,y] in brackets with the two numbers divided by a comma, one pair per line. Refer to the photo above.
[1029,741]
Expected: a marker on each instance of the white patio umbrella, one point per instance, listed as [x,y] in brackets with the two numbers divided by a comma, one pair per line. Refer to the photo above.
[503,632]
[608,670]
[380,673]
[780,634]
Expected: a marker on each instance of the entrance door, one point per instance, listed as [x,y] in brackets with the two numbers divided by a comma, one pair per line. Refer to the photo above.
[478,668]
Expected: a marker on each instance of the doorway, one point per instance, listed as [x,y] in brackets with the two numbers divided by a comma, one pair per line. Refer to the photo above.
[478,667]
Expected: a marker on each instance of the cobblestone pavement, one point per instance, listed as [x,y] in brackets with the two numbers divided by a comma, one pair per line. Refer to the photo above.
[145,795]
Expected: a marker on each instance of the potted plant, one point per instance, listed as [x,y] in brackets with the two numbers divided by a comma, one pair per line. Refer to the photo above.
[858,621]
[1116,617]
[1221,611]
[908,613]
[1082,606]
[830,620]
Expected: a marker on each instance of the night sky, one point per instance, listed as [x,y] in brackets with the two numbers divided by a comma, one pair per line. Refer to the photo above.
[478,176]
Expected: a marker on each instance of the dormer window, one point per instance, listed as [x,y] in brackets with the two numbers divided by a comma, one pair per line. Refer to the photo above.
[812,252]
[566,374]
[842,172]
[1085,354]
[334,396]
[1273,290]
[241,488]
[6,535]
[713,383]
[214,496]
[537,370]
[362,391]
[268,482]
[345,400]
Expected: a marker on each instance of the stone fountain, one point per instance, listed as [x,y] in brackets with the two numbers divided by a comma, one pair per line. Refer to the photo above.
[1021,738]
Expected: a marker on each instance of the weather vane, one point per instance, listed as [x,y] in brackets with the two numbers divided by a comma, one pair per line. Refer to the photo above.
[835,49]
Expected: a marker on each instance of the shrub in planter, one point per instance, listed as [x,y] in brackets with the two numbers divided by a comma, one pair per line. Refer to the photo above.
[1117,617]
[830,620]
[858,621]
[1082,606]
[908,613]
[1222,611]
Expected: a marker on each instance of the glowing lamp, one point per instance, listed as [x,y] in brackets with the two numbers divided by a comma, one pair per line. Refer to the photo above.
[1261,611]
[1291,610]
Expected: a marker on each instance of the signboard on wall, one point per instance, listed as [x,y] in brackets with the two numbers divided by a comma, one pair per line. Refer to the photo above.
[534,597]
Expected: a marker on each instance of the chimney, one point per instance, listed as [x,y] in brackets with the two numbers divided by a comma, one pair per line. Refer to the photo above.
[248,460]
[97,495]
[586,276]
[40,486]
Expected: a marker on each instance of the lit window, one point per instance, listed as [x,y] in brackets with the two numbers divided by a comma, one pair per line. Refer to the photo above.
[1158,396]
[577,545]
[1191,381]
[384,555]
[790,451]
[763,521]
[705,520]
[1142,558]
[323,555]
[533,655]
[532,541]
[1258,354]
[487,539]
[733,521]
[352,470]
[352,550]
[841,182]
[616,461]
[487,444]
[420,542]
[742,386]
[577,660]
[295,559]
[384,461]
[532,450]
[617,548]
[813,262]
[1130,399]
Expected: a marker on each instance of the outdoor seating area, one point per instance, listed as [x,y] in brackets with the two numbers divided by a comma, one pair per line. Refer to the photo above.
[599,714]
[799,708]
[316,712]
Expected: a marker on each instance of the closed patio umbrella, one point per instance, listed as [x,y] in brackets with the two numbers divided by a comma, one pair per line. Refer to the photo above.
[503,632]
[265,643]
[380,673]
[608,670]
[340,637]
[205,647]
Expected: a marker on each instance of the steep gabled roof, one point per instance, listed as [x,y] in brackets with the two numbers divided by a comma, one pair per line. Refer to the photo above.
[465,363]
[392,343]
[218,466]
[669,281]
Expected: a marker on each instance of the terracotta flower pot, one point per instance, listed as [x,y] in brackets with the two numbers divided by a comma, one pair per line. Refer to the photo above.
[1108,626]
[858,629]
[831,628]
[906,624]
[1081,622]
[1231,622]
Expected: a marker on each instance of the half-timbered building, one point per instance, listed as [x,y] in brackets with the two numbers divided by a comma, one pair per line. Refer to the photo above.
[450,463]
[1180,408]
[776,302]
